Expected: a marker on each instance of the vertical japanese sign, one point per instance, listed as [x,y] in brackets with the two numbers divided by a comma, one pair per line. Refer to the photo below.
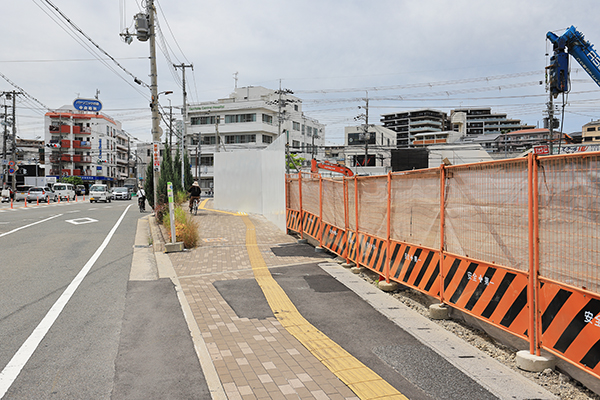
[156,155]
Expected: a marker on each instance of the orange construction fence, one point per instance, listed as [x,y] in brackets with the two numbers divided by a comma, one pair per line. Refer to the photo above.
[515,243]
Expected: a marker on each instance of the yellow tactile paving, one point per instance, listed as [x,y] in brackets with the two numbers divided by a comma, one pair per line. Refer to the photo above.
[362,380]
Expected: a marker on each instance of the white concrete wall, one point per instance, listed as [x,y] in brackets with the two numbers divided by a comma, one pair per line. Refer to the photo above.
[252,181]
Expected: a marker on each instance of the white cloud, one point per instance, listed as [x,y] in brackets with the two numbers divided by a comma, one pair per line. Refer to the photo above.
[310,45]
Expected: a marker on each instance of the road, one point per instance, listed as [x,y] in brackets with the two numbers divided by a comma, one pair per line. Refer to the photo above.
[64,296]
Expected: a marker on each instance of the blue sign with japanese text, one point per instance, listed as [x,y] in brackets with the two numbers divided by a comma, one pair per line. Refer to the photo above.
[87,105]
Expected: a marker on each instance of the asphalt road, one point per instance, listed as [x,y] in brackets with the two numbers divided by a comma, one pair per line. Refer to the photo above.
[64,297]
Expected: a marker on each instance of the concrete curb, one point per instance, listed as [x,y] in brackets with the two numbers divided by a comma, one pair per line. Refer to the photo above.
[166,270]
[500,380]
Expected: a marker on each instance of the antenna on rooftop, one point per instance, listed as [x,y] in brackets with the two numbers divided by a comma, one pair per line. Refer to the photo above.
[235,78]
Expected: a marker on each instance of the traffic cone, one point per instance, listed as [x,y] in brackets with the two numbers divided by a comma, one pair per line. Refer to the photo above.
[25,200]
[38,201]
[11,200]
[48,200]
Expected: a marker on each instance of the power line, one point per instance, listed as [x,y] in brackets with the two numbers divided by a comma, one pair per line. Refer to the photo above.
[74,26]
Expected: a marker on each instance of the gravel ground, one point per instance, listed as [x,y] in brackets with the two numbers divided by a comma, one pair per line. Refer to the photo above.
[554,381]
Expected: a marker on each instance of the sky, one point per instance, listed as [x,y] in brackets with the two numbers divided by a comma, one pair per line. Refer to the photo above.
[401,54]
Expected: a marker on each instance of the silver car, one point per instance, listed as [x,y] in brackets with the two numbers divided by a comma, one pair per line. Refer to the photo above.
[121,193]
[41,194]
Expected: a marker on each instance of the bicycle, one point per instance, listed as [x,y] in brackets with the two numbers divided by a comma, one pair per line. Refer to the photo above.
[142,204]
[194,209]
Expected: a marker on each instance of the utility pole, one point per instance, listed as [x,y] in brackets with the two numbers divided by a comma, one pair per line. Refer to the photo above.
[281,104]
[14,138]
[366,133]
[4,169]
[184,111]
[551,122]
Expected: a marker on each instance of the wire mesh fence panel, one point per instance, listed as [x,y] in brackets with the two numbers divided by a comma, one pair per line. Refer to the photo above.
[415,208]
[293,198]
[569,220]
[487,212]
[333,202]
[351,204]
[372,205]
[310,195]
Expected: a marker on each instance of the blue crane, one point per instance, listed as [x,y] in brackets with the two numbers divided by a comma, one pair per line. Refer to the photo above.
[571,42]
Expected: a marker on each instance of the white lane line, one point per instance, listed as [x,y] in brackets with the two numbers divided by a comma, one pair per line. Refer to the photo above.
[18,361]
[27,226]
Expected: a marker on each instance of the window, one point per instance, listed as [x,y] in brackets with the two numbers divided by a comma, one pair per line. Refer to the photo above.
[205,120]
[295,107]
[209,139]
[234,139]
[267,119]
[207,160]
[267,139]
[237,118]
[591,129]
[295,144]
[296,126]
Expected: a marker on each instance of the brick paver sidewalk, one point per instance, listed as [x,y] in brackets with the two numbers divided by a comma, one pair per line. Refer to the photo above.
[254,358]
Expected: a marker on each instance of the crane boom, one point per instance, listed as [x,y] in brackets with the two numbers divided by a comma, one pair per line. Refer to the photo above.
[571,42]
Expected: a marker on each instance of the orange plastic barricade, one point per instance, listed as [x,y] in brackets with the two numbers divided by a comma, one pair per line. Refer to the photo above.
[513,242]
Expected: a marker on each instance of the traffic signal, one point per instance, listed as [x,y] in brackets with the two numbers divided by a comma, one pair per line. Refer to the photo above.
[56,145]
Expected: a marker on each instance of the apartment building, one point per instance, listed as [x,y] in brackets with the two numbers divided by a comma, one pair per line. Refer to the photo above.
[481,121]
[369,148]
[590,133]
[90,145]
[251,118]
[410,123]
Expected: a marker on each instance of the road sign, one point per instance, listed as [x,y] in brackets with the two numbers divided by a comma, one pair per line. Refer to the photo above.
[11,171]
[11,163]
[156,155]
[87,105]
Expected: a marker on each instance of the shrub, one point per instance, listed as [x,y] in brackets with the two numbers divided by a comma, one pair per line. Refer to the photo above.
[186,228]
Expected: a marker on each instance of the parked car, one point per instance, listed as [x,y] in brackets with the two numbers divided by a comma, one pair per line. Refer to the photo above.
[80,190]
[100,192]
[21,192]
[121,193]
[42,194]
[64,190]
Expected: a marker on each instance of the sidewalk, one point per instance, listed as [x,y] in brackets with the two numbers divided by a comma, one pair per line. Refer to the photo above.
[259,356]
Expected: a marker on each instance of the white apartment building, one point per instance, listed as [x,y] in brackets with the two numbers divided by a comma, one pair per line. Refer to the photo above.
[251,118]
[90,145]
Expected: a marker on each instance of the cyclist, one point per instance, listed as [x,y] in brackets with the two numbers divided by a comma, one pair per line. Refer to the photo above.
[194,192]
[142,199]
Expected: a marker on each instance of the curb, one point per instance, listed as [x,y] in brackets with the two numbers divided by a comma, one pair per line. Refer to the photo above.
[166,270]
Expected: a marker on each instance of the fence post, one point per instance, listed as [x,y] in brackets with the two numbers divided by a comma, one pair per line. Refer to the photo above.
[442,224]
[389,218]
[356,241]
[300,201]
[346,220]
[533,235]
[320,211]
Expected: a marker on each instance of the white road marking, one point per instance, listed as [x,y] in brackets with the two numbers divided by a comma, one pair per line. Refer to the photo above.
[81,221]
[18,361]
[27,226]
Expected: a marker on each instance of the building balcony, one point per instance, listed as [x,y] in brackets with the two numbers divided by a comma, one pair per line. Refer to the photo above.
[65,144]
[65,157]
[81,144]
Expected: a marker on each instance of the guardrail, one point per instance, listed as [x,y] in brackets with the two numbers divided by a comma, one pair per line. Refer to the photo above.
[515,243]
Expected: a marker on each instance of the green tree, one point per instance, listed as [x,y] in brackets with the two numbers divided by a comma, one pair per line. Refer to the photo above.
[149,184]
[188,178]
[73,180]
[294,162]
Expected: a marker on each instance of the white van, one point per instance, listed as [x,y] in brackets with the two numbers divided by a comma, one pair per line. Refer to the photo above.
[64,191]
